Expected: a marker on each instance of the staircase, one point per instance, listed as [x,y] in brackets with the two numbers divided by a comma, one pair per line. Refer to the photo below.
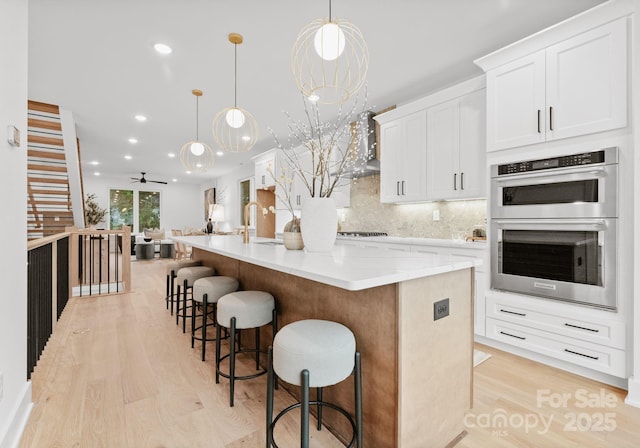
[49,207]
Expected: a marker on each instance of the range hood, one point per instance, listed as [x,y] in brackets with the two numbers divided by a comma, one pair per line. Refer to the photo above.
[366,151]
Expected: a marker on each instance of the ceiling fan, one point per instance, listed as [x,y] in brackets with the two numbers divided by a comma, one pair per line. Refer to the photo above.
[142,180]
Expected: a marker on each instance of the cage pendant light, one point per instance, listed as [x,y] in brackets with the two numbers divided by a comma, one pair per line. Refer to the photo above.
[329,60]
[196,155]
[234,128]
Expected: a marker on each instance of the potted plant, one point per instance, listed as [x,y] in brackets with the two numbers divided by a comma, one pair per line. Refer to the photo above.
[292,237]
[320,154]
[93,213]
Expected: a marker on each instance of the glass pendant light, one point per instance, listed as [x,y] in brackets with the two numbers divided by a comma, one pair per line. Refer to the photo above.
[196,155]
[235,129]
[329,60]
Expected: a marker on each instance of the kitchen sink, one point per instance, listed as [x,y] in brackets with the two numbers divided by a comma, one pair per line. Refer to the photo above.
[269,243]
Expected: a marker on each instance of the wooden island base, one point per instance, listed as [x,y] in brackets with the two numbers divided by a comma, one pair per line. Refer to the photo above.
[416,372]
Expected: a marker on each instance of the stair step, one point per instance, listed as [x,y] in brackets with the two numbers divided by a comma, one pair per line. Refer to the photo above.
[56,155]
[54,168]
[45,140]
[44,124]
[43,107]
[48,180]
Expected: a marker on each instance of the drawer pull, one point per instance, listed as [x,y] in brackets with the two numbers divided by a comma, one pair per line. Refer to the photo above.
[595,330]
[581,354]
[513,312]
[513,336]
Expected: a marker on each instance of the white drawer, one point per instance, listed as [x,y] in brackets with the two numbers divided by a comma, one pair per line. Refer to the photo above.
[597,357]
[605,332]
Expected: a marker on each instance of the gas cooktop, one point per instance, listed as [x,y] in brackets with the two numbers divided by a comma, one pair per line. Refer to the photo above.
[363,234]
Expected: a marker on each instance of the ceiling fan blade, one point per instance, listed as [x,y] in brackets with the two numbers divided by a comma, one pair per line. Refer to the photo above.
[134,178]
[157,182]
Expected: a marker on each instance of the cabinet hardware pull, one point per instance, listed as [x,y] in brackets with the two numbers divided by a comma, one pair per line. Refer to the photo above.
[455,181]
[595,330]
[462,181]
[551,118]
[513,336]
[512,312]
[539,121]
[581,354]
[398,188]
[402,188]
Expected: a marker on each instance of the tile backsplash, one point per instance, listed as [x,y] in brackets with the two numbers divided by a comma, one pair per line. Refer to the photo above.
[457,218]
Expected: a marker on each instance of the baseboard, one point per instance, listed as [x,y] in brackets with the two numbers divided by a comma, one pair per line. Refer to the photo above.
[621,383]
[19,419]
[633,397]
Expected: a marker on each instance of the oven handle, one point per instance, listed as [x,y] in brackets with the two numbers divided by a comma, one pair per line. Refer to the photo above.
[555,224]
[598,172]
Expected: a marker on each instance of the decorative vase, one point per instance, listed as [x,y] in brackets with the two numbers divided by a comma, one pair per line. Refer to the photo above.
[292,236]
[319,224]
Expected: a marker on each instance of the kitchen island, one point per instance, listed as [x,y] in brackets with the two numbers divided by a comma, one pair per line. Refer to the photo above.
[416,370]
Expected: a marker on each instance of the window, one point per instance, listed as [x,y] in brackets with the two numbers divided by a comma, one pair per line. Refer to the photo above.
[129,207]
[148,210]
[120,209]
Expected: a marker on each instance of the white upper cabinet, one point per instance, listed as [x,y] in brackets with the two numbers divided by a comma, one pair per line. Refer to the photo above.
[265,169]
[456,155]
[403,149]
[575,87]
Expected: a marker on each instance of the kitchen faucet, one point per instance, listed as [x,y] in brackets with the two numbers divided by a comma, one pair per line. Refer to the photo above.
[245,236]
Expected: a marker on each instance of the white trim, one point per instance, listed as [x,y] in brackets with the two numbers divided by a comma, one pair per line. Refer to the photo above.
[633,397]
[20,416]
[70,142]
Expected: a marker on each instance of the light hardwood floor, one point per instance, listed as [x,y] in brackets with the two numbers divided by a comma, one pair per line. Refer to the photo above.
[118,372]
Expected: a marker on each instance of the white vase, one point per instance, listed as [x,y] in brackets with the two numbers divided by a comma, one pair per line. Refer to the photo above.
[319,225]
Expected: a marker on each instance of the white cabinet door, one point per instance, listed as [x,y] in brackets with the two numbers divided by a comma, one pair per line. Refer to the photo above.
[587,82]
[265,169]
[413,184]
[516,103]
[443,150]
[473,154]
[456,153]
[575,87]
[390,161]
[404,159]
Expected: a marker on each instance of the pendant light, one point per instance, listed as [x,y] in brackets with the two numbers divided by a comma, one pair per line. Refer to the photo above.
[196,155]
[330,60]
[235,129]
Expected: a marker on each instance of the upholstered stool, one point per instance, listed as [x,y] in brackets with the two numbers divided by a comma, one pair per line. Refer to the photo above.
[172,271]
[314,353]
[144,251]
[239,311]
[207,291]
[185,279]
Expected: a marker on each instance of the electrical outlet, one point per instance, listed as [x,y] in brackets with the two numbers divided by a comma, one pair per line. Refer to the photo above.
[436,215]
[440,309]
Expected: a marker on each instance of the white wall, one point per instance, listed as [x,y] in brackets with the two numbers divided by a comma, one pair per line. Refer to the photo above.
[228,194]
[181,205]
[15,403]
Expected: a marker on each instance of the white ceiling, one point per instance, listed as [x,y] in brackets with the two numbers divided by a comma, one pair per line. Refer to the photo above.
[96,59]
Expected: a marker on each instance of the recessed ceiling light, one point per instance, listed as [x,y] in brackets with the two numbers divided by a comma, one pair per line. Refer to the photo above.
[174,180]
[246,138]
[133,141]
[171,155]
[128,157]
[313,97]
[162,48]
[94,163]
[188,172]
[96,173]
[140,118]
[220,153]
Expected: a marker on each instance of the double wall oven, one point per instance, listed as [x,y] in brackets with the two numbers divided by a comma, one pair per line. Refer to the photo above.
[554,226]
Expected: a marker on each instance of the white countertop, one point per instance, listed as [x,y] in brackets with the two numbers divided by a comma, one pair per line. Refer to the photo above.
[410,241]
[347,267]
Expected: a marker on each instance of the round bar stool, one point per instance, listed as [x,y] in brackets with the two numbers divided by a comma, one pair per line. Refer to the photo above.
[172,271]
[239,311]
[184,279]
[207,291]
[314,353]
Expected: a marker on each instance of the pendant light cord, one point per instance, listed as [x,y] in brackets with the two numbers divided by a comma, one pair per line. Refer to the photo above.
[235,76]
[329,10]
[197,120]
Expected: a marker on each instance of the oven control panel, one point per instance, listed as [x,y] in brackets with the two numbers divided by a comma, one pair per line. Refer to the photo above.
[587,158]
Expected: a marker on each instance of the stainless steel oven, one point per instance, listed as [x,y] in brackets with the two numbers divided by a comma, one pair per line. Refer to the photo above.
[574,186]
[554,228]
